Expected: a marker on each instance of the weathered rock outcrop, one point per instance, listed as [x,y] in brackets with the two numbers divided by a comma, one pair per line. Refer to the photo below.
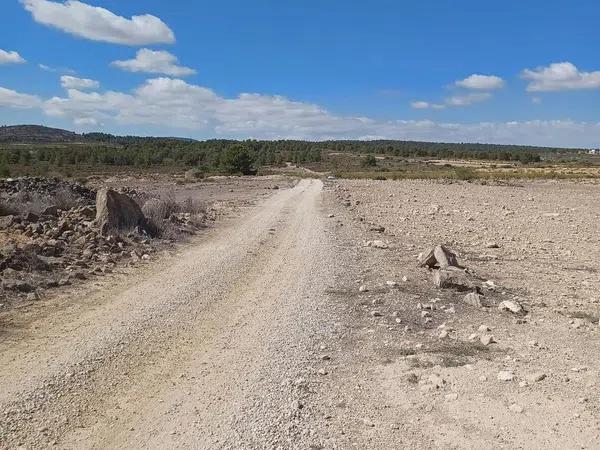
[115,211]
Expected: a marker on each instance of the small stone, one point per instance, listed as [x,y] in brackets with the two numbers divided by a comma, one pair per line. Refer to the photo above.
[377,244]
[363,288]
[474,299]
[392,284]
[451,397]
[505,375]
[322,371]
[577,323]
[483,328]
[536,377]
[516,408]
[443,335]
[368,423]
[492,245]
[331,216]
[513,307]
[487,339]
[376,314]
[482,378]
[297,404]
[436,381]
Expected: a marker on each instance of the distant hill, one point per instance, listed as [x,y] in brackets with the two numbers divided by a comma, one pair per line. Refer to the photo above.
[37,134]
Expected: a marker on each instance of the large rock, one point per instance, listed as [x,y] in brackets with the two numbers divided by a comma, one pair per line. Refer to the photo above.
[441,256]
[115,211]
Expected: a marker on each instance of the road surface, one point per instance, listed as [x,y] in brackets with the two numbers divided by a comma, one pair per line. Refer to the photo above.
[202,352]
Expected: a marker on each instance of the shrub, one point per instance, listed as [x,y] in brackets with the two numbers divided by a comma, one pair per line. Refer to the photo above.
[369,161]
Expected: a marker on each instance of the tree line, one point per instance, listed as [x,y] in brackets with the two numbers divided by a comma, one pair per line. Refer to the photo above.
[230,156]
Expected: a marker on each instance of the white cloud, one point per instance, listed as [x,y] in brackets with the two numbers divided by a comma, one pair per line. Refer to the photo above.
[560,77]
[69,82]
[14,99]
[10,57]
[420,105]
[151,61]
[481,82]
[47,68]
[167,104]
[467,99]
[99,24]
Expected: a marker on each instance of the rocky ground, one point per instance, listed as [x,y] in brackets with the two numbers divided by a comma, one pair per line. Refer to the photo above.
[49,237]
[319,319]
[443,371]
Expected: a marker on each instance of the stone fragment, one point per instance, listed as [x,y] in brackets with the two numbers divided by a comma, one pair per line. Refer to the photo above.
[511,306]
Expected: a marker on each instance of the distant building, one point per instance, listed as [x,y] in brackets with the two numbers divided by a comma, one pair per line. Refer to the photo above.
[595,151]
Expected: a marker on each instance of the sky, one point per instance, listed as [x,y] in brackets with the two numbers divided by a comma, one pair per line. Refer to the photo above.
[507,72]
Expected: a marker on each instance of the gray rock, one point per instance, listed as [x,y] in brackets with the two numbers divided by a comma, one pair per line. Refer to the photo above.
[115,211]
[440,256]
[474,299]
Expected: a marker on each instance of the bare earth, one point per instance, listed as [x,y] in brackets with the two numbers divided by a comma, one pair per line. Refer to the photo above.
[257,335]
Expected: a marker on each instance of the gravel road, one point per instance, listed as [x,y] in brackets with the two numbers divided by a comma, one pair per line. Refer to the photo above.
[206,351]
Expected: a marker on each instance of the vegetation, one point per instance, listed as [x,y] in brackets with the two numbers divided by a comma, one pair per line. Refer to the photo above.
[105,153]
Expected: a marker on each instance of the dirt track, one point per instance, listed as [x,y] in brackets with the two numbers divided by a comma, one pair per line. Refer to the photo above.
[196,354]
[257,337]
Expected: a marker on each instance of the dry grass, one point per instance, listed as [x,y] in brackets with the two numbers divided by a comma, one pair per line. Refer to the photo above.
[161,215]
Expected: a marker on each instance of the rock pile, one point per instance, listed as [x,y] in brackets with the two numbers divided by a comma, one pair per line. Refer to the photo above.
[60,243]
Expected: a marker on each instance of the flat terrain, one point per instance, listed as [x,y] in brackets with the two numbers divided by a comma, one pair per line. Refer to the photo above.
[281,328]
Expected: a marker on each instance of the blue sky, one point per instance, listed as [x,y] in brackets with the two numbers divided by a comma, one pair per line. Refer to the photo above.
[506,72]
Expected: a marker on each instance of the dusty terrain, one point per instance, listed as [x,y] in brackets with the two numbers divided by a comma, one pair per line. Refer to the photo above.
[281,328]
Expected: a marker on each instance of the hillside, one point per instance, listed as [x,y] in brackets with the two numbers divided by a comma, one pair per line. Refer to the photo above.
[37,134]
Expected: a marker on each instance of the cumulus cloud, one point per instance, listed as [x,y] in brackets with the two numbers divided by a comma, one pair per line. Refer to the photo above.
[99,24]
[167,103]
[560,77]
[151,61]
[14,99]
[481,82]
[69,82]
[10,57]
